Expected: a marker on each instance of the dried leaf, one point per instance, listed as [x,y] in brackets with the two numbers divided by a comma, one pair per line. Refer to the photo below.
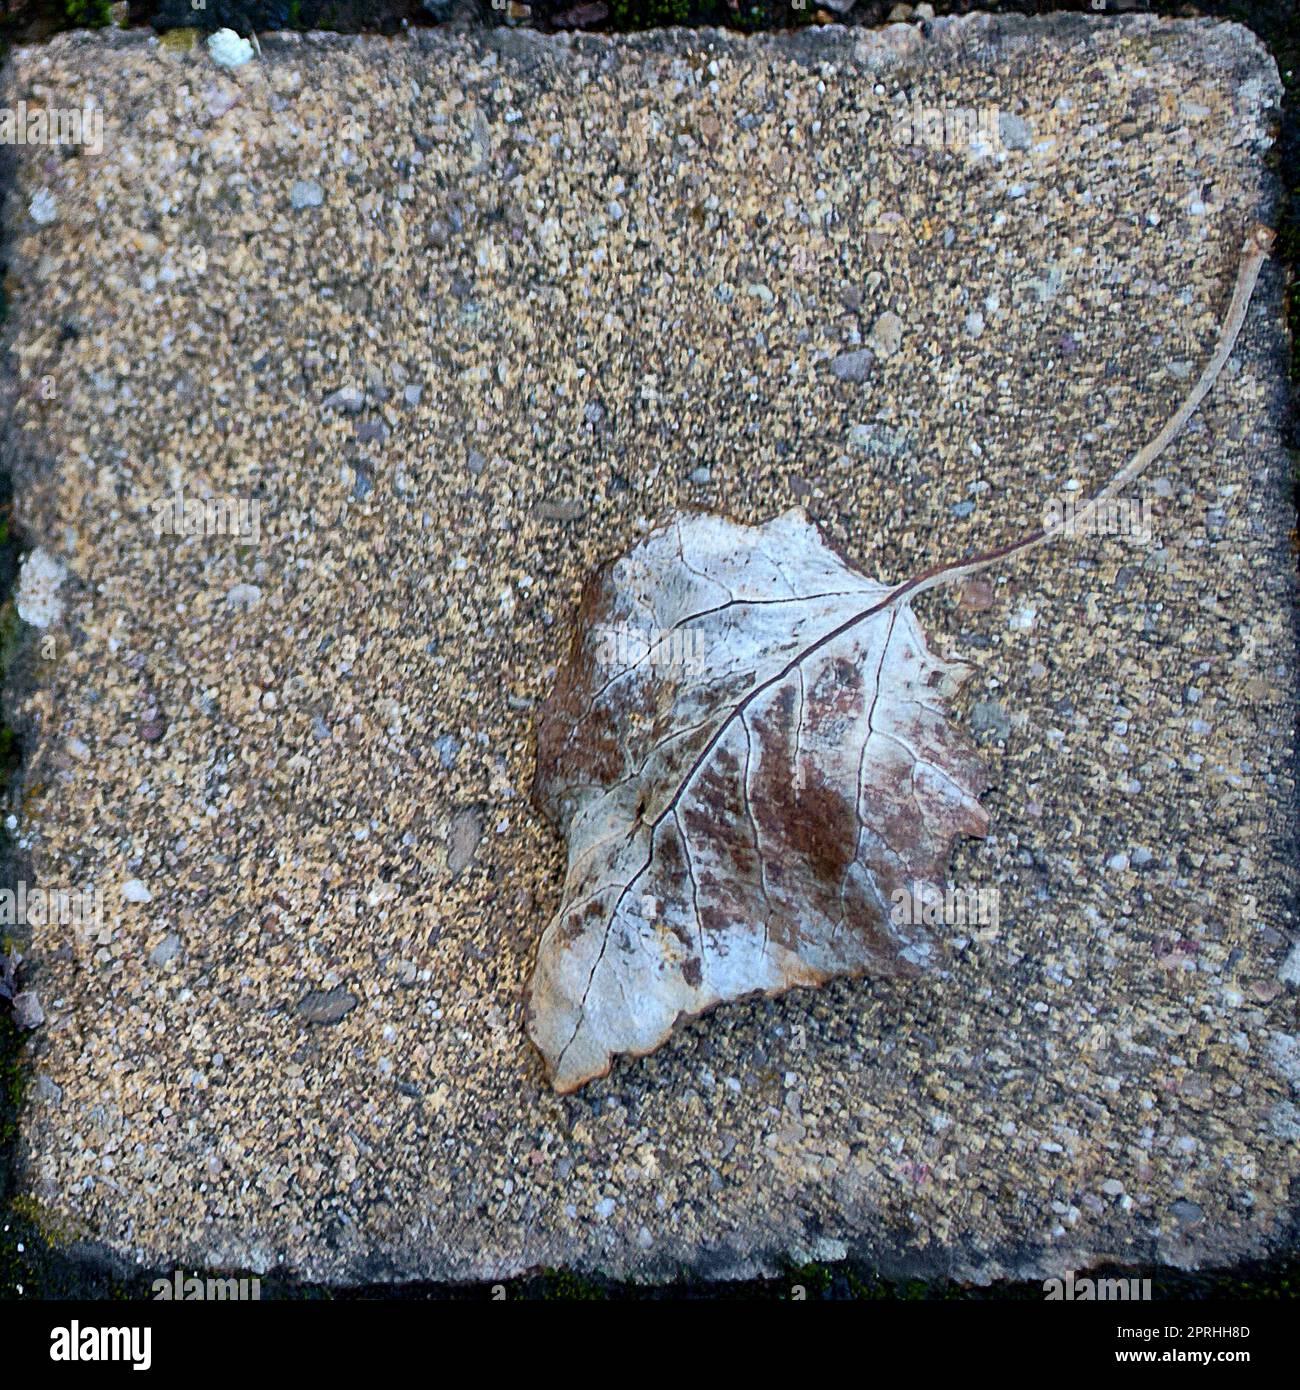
[750,756]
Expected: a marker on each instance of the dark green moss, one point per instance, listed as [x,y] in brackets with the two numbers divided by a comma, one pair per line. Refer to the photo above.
[12,1083]
[810,1281]
[570,1288]
[649,14]
[87,14]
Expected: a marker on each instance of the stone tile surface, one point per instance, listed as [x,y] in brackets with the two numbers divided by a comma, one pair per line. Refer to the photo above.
[464,315]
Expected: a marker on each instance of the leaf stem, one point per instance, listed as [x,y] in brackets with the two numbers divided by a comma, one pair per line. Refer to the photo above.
[1253,254]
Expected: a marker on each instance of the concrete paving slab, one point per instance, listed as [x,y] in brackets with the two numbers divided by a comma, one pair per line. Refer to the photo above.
[432,327]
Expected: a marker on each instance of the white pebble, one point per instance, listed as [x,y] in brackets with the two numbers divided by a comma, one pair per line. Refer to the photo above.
[228,50]
[43,209]
[134,891]
[244,596]
[38,589]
